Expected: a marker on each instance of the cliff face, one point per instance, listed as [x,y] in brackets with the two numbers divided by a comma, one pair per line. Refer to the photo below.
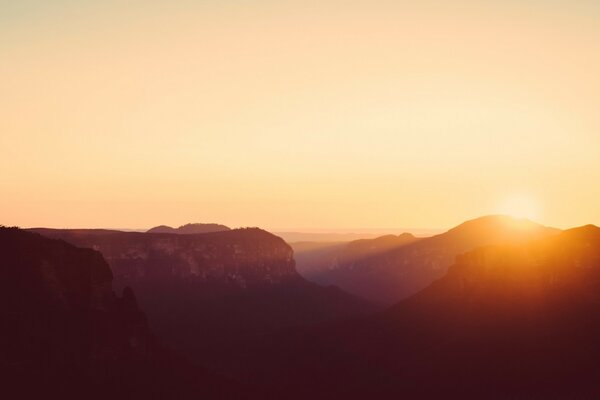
[60,316]
[242,258]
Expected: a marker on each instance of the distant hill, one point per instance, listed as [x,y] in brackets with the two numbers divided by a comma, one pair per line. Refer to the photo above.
[293,237]
[513,320]
[339,237]
[189,229]
[389,274]
[314,259]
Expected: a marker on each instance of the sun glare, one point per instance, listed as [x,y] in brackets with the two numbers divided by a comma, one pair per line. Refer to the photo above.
[520,206]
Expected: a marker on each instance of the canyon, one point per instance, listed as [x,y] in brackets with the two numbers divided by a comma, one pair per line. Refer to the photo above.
[205,292]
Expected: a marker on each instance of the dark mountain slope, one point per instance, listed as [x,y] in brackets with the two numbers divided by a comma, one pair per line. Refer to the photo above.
[66,334]
[517,320]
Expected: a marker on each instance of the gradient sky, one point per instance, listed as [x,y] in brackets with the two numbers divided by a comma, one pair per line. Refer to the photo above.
[298,114]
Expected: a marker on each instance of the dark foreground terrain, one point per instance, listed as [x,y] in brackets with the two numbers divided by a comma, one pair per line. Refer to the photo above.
[65,334]
[515,319]
[506,321]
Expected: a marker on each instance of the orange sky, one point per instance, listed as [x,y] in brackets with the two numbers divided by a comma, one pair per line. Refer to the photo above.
[296,114]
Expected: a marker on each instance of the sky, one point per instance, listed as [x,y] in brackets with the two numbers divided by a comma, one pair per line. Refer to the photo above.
[298,114]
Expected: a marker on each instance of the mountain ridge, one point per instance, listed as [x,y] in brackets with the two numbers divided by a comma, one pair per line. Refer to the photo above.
[388,276]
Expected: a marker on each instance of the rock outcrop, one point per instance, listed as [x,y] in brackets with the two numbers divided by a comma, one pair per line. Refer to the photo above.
[242,257]
[66,334]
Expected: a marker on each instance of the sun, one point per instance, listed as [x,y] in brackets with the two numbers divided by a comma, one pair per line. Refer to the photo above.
[520,206]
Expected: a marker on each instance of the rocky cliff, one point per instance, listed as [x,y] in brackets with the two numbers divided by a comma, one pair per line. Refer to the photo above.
[55,292]
[242,257]
[66,334]
[203,293]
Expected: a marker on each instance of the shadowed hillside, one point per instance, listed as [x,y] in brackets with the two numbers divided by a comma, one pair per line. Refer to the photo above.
[518,320]
[316,259]
[65,334]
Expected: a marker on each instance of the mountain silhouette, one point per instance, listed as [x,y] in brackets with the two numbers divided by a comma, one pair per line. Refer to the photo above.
[516,316]
[514,320]
[65,334]
[390,274]
[189,229]
[324,237]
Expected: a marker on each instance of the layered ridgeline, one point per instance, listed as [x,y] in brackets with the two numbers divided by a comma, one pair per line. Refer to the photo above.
[391,268]
[315,260]
[202,292]
[518,320]
[66,334]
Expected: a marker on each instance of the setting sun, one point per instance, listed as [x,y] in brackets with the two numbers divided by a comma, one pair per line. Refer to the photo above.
[520,206]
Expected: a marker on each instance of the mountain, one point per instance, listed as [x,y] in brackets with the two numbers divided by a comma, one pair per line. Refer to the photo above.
[203,292]
[315,259]
[189,229]
[240,258]
[390,274]
[324,237]
[516,320]
[348,236]
[66,334]
[312,257]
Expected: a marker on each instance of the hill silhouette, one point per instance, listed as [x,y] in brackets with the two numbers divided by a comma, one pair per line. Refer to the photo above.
[390,274]
[515,320]
[314,259]
[190,229]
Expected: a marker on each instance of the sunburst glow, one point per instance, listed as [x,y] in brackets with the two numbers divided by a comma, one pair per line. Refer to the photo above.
[520,206]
